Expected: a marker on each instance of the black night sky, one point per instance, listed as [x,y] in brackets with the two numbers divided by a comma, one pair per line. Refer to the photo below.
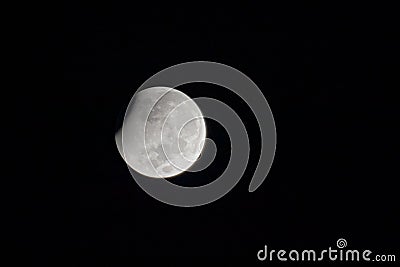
[329,74]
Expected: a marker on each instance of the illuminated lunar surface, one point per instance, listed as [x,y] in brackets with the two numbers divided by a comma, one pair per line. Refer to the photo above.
[163,134]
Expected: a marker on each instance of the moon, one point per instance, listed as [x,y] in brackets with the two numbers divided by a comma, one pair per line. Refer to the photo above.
[163,134]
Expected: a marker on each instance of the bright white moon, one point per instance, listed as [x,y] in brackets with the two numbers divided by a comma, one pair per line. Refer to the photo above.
[163,134]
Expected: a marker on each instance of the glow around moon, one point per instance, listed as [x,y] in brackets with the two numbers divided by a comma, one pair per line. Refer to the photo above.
[163,133]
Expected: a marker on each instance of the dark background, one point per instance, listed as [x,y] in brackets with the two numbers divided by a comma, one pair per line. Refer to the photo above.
[330,75]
